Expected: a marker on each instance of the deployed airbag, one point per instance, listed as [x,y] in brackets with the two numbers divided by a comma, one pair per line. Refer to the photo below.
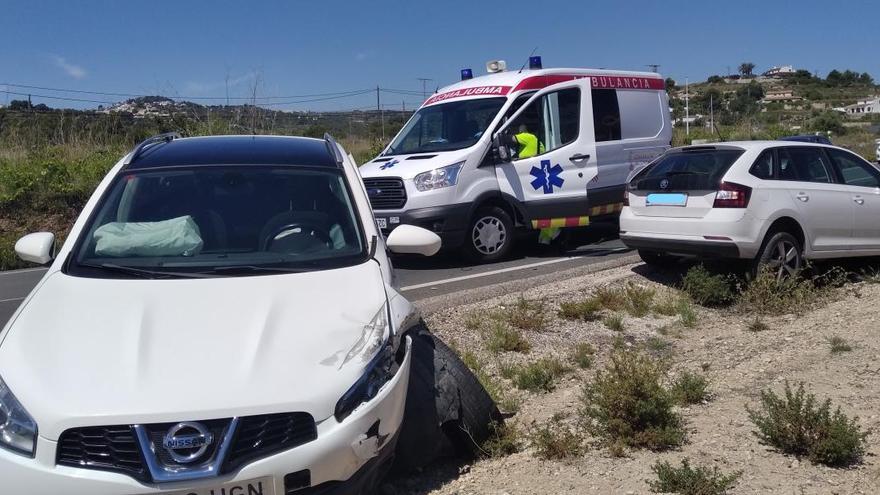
[175,237]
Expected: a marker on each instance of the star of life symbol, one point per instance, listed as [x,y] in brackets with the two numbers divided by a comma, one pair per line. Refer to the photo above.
[389,164]
[547,177]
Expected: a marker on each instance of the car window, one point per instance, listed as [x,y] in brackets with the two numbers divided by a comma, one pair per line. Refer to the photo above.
[687,170]
[554,119]
[606,115]
[853,170]
[803,165]
[763,166]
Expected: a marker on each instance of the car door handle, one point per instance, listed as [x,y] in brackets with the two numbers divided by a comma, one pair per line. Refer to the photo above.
[859,200]
[579,157]
[803,197]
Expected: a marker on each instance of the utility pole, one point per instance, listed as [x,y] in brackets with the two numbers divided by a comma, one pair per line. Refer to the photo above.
[424,86]
[378,103]
[653,67]
[712,111]
[687,108]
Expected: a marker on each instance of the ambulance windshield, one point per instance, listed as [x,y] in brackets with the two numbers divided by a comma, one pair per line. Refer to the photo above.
[447,126]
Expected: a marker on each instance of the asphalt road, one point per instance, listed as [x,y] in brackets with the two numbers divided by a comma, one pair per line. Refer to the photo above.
[420,277]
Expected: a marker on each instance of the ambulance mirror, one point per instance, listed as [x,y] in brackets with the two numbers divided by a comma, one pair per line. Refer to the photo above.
[499,148]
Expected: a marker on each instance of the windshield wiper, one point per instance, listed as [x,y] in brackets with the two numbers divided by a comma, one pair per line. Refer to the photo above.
[257,268]
[144,273]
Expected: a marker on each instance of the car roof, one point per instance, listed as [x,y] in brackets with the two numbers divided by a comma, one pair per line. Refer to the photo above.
[755,145]
[236,150]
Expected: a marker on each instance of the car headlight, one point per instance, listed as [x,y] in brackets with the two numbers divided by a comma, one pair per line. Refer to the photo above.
[375,347]
[18,431]
[439,177]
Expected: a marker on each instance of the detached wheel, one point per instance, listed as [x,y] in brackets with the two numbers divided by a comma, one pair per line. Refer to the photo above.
[653,258]
[448,412]
[781,254]
[489,235]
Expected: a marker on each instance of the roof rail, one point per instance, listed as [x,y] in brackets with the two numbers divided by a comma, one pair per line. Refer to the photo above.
[160,138]
[333,148]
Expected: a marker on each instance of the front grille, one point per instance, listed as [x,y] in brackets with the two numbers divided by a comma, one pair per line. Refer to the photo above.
[106,448]
[117,449]
[264,435]
[386,193]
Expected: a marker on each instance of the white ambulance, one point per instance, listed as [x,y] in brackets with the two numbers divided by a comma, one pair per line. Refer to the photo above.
[454,168]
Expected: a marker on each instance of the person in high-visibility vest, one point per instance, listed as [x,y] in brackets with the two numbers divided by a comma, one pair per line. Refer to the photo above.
[529,145]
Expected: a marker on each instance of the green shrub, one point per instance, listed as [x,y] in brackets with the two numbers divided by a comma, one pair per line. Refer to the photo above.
[628,404]
[554,440]
[505,439]
[797,425]
[658,346]
[583,355]
[687,480]
[527,315]
[839,344]
[539,376]
[501,338]
[612,298]
[667,305]
[707,289]
[586,310]
[767,295]
[690,388]
[639,299]
[614,322]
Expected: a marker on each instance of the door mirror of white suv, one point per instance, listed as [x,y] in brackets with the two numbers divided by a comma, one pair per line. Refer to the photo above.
[36,248]
[409,239]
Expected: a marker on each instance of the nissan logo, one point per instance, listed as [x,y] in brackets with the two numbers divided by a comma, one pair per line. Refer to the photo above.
[664,183]
[186,442]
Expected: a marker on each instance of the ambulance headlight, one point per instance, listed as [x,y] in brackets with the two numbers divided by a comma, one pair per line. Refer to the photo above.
[439,177]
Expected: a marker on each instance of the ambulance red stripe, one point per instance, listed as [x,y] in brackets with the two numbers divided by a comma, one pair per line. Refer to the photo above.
[598,81]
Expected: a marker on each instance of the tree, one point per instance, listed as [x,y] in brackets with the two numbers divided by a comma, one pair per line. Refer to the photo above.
[19,105]
[828,122]
[746,69]
[715,79]
[670,84]
[866,79]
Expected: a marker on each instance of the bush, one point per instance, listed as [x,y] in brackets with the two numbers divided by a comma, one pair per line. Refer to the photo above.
[639,299]
[538,376]
[687,316]
[505,439]
[627,404]
[839,344]
[527,315]
[614,322]
[586,310]
[583,355]
[501,338]
[797,425]
[611,298]
[707,289]
[690,481]
[690,388]
[767,295]
[555,440]
[757,325]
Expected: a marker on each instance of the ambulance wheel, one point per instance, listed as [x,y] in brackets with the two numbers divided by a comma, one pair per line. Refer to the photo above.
[489,235]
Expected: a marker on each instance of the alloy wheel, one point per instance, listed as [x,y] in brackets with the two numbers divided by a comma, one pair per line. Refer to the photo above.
[488,235]
[784,260]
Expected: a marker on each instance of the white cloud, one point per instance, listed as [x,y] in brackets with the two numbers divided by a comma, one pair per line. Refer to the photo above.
[72,70]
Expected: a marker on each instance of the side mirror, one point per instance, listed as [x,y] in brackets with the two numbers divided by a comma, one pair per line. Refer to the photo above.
[409,239]
[36,248]
[499,148]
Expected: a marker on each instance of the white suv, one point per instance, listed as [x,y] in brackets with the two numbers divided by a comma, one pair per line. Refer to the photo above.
[222,319]
[769,201]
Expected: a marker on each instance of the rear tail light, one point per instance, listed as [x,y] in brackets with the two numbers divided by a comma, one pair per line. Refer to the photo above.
[732,195]
[626,195]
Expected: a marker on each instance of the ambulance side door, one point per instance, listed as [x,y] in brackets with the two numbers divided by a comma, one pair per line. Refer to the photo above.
[553,183]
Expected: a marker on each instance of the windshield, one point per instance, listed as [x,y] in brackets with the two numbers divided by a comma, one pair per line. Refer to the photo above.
[447,126]
[229,220]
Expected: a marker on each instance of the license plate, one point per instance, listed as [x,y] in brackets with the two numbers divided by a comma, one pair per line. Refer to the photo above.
[667,199]
[382,223]
[260,486]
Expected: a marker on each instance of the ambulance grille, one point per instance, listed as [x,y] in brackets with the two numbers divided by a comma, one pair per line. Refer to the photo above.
[386,193]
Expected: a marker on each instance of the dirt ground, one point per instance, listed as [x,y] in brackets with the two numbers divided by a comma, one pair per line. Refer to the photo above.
[739,363]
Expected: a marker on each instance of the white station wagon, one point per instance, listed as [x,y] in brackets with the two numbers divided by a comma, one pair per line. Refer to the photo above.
[773,202]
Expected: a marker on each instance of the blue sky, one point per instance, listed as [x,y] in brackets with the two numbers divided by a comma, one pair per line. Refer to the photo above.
[295,47]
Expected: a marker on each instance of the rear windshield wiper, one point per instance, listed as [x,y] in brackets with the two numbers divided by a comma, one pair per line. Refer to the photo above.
[144,273]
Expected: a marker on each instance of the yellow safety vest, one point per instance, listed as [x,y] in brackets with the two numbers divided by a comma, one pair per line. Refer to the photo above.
[528,144]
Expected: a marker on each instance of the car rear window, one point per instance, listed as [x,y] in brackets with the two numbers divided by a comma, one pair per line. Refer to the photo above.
[689,169]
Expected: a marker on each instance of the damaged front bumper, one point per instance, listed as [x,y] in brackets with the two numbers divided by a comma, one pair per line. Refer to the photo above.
[346,457]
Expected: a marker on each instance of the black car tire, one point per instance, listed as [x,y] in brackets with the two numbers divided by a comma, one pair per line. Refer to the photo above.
[770,251]
[654,258]
[496,218]
[448,412]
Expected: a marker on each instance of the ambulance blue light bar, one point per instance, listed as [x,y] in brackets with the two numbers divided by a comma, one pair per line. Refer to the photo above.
[466,74]
[535,62]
